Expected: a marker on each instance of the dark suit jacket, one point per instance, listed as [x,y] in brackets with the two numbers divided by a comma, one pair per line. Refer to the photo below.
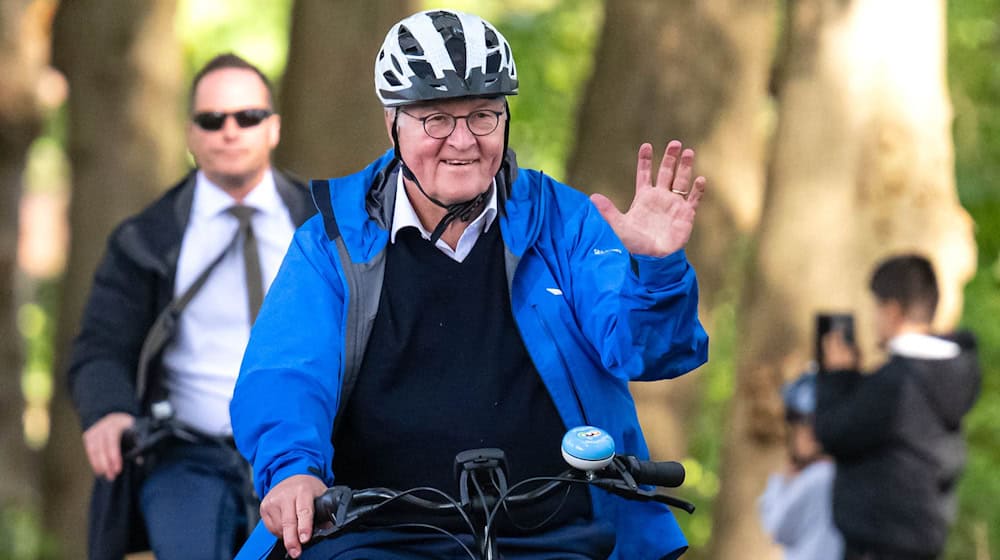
[133,284]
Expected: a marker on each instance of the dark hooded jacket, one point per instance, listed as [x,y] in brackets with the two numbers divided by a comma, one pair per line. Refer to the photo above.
[896,436]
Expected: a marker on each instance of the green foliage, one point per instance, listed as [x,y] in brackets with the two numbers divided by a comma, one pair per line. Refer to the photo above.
[705,450]
[257,30]
[979,492]
[554,53]
[22,537]
[973,46]
[37,327]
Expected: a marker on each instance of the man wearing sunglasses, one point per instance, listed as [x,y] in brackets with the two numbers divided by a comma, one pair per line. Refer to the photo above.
[166,324]
[454,301]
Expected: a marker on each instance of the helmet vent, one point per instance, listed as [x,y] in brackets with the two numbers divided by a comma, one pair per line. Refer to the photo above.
[491,38]
[422,69]
[449,27]
[391,78]
[446,24]
[493,63]
[408,44]
[456,51]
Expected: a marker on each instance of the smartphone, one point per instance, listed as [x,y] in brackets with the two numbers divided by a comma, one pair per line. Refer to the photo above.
[828,322]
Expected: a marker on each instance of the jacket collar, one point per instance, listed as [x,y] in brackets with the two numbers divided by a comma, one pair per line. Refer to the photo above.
[291,193]
[153,237]
[366,233]
[924,347]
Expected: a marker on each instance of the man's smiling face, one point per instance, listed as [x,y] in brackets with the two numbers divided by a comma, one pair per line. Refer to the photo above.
[462,165]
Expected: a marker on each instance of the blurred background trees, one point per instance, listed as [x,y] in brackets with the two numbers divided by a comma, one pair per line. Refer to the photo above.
[124,141]
[23,60]
[832,132]
[860,167]
[331,123]
[702,78]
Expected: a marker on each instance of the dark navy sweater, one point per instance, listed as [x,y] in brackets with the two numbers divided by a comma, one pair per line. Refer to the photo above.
[446,371]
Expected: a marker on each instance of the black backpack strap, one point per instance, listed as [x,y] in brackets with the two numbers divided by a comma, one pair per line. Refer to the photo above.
[163,329]
[364,284]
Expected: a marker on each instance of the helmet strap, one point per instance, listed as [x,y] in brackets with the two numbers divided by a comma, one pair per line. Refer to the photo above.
[465,211]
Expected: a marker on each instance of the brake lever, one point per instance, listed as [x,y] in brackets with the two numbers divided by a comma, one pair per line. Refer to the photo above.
[675,502]
[626,487]
[336,500]
[619,468]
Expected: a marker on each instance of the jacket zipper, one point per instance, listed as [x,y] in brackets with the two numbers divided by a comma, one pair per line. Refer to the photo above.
[562,360]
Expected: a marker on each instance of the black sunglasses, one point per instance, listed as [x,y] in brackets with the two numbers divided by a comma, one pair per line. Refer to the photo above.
[213,120]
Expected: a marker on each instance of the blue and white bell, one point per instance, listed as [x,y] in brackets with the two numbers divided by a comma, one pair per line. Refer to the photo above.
[588,448]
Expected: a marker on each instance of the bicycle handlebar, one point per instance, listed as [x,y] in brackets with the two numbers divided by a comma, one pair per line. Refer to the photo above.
[588,450]
[666,474]
[343,505]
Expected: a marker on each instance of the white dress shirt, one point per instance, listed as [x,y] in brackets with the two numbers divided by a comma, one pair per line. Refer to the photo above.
[405,216]
[203,360]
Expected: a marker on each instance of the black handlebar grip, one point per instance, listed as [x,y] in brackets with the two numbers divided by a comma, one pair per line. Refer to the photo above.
[129,441]
[325,505]
[667,474]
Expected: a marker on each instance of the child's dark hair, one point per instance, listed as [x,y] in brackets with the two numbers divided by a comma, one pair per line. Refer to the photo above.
[908,280]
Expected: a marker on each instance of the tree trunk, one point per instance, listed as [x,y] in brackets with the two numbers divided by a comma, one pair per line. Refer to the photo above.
[123,65]
[862,168]
[331,119]
[695,70]
[23,58]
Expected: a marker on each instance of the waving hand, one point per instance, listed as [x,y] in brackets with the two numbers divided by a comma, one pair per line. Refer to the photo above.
[661,216]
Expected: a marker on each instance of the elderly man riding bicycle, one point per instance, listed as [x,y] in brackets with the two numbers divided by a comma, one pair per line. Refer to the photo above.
[445,299]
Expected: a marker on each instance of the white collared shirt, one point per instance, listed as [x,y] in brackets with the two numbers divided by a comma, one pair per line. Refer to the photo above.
[203,360]
[405,216]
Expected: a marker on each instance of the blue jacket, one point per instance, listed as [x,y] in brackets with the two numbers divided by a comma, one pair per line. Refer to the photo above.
[592,318]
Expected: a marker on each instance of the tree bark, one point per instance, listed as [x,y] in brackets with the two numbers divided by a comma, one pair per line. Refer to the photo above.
[123,65]
[862,169]
[695,70]
[331,119]
[24,56]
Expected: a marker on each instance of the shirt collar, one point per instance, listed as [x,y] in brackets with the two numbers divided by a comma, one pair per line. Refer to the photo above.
[211,199]
[405,216]
[924,347]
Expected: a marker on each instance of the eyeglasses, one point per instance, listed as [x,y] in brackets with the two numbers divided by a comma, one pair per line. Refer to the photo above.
[441,125]
[214,120]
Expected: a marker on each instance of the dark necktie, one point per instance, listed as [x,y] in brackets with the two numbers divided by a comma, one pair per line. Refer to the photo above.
[251,260]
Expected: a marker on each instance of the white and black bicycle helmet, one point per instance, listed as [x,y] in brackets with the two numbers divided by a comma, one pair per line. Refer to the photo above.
[443,54]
